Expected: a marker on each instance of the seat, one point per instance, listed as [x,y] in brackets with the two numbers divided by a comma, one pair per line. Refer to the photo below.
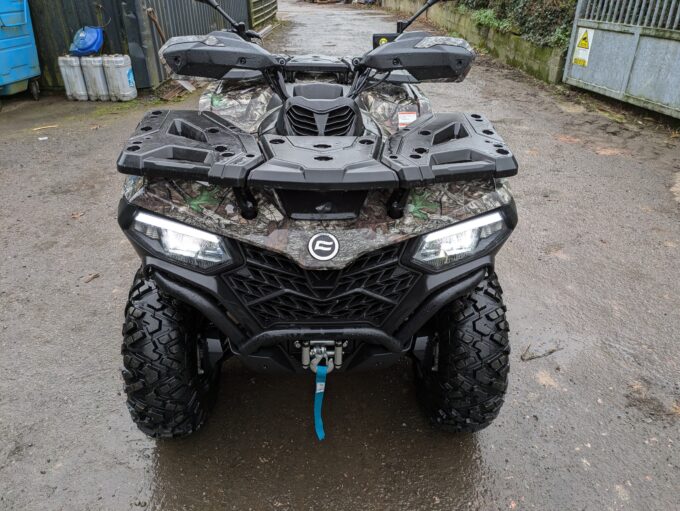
[318,90]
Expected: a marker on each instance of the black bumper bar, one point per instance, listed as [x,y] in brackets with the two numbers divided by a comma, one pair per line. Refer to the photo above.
[185,289]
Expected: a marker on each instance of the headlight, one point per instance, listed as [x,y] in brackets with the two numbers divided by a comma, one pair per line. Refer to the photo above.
[182,243]
[444,248]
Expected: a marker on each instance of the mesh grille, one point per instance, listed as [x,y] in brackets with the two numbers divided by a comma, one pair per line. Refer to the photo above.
[277,291]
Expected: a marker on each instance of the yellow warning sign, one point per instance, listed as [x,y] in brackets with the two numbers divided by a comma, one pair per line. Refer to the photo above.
[383,40]
[583,47]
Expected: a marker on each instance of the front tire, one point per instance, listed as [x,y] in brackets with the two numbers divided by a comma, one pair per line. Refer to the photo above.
[170,389]
[462,379]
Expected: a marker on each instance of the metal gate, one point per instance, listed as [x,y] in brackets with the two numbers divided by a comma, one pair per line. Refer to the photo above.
[628,50]
[262,11]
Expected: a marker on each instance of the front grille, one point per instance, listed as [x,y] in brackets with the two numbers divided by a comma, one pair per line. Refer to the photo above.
[278,292]
[303,121]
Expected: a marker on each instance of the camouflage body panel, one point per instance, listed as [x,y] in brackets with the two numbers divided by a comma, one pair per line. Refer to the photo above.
[214,208]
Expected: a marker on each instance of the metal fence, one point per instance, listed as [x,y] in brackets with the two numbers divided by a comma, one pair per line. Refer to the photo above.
[628,50]
[129,28]
[655,13]
[262,11]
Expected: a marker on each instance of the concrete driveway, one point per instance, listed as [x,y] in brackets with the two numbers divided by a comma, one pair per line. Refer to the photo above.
[592,269]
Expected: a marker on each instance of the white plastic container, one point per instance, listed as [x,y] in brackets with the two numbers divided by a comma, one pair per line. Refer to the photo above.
[95,79]
[74,82]
[119,77]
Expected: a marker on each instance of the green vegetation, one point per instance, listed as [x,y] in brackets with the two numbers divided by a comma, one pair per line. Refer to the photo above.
[487,18]
[544,22]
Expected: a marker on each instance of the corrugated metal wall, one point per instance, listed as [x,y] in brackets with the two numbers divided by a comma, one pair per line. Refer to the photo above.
[128,29]
[184,17]
[56,21]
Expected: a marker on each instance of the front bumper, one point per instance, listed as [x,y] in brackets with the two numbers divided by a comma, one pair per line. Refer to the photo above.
[263,304]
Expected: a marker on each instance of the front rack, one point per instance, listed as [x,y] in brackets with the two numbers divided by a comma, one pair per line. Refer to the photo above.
[202,146]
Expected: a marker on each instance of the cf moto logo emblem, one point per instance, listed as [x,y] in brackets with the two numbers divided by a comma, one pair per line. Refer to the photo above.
[323,246]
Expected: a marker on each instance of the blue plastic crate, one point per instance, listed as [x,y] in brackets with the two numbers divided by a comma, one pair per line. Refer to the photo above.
[18,53]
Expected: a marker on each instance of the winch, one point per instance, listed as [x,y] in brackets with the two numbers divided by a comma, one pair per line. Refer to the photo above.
[313,352]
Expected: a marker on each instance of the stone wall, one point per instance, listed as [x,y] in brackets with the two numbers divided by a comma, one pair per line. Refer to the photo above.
[544,63]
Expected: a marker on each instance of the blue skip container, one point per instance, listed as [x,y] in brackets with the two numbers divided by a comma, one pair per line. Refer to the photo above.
[18,54]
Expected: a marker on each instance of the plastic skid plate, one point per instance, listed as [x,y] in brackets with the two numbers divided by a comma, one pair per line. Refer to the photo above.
[183,144]
[448,147]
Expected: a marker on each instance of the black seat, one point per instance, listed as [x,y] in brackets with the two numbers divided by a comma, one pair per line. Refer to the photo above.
[318,90]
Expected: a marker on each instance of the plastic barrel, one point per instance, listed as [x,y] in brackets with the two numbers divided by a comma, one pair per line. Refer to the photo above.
[74,82]
[87,41]
[95,79]
[120,78]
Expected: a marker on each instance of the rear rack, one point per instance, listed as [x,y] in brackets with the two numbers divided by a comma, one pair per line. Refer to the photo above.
[202,146]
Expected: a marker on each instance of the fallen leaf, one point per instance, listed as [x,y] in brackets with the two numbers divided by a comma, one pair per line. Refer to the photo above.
[91,277]
[95,127]
[568,139]
[637,386]
[610,151]
[545,379]
[77,214]
[530,355]
[622,492]
[675,190]
[46,127]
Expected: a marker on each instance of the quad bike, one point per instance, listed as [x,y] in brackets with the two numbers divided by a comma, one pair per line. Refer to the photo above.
[315,215]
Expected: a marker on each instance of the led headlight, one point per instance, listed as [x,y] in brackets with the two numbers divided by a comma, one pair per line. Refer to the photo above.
[182,243]
[444,248]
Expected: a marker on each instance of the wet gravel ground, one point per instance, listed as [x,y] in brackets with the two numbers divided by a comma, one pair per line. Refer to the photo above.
[592,268]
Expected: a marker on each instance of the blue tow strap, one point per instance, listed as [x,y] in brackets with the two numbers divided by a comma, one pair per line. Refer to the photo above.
[321,372]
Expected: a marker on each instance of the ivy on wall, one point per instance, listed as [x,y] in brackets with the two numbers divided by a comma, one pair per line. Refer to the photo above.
[544,22]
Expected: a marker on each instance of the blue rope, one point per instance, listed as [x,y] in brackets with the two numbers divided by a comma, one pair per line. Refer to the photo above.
[321,372]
